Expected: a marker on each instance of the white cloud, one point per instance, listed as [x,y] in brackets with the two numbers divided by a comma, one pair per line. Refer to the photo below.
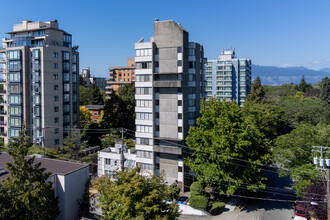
[287,65]
[316,62]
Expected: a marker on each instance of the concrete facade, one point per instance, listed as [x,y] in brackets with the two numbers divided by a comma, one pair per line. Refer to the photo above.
[229,77]
[169,86]
[40,84]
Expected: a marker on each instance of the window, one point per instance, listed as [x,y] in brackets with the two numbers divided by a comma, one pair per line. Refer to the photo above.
[39,33]
[57,142]
[66,66]
[66,97]
[14,110]
[191,115]
[66,119]
[209,78]
[13,54]
[145,166]
[143,141]
[66,77]
[143,116]
[66,108]
[14,77]
[14,99]
[191,51]
[56,131]
[143,103]
[14,132]
[191,102]
[209,73]
[107,161]
[143,78]
[55,76]
[143,91]
[179,116]
[55,65]
[142,153]
[209,88]
[66,87]
[144,52]
[14,88]
[192,65]
[14,65]
[36,111]
[15,121]
[55,54]
[56,109]
[74,68]
[209,83]
[74,58]
[56,98]
[74,78]
[179,49]
[192,77]
[191,90]
[55,87]
[67,40]
[56,120]
[179,62]
[179,102]
[144,128]
[179,169]
[143,65]
[180,129]
[66,55]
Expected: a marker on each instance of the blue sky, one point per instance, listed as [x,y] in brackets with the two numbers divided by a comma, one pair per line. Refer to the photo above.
[270,32]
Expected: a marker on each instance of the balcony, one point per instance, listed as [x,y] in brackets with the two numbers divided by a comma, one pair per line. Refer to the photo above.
[3,133]
[3,112]
[2,91]
[167,83]
[2,123]
[2,70]
[2,101]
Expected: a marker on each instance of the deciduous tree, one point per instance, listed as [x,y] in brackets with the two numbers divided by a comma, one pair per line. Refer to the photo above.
[133,196]
[222,141]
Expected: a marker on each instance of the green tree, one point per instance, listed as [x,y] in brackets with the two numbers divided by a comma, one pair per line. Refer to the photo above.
[97,95]
[293,151]
[221,143]
[81,80]
[268,118]
[275,94]
[299,109]
[26,193]
[133,196]
[325,90]
[85,95]
[72,144]
[303,86]
[92,134]
[85,115]
[119,110]
[257,91]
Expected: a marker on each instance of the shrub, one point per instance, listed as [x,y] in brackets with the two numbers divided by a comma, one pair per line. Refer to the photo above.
[196,189]
[199,202]
[217,208]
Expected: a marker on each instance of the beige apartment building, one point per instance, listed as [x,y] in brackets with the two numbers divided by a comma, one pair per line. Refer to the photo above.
[39,84]
[119,76]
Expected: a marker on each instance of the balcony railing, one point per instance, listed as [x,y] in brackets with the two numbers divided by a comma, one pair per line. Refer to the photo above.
[3,112]
[2,91]
[3,123]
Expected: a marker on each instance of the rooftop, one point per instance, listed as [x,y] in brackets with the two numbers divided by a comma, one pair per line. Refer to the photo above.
[94,106]
[58,167]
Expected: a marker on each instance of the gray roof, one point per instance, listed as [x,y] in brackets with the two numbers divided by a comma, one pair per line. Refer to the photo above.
[94,106]
[59,167]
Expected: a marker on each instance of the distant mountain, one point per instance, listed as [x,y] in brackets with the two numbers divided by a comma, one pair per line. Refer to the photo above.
[271,75]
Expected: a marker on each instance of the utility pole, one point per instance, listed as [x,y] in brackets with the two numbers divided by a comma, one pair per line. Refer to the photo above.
[122,130]
[321,151]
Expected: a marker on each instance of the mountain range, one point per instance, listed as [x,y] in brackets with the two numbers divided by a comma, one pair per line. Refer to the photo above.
[271,75]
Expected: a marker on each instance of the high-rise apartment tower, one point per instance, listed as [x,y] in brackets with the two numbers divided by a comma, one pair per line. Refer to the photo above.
[39,83]
[228,77]
[169,86]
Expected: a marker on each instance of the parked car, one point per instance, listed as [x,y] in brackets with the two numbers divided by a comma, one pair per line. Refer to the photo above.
[300,213]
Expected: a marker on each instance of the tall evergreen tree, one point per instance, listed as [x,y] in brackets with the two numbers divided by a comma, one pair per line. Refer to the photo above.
[29,194]
[257,92]
[325,90]
[303,86]
[97,97]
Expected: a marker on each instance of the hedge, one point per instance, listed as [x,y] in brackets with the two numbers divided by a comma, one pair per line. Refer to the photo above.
[217,208]
[196,189]
[199,202]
